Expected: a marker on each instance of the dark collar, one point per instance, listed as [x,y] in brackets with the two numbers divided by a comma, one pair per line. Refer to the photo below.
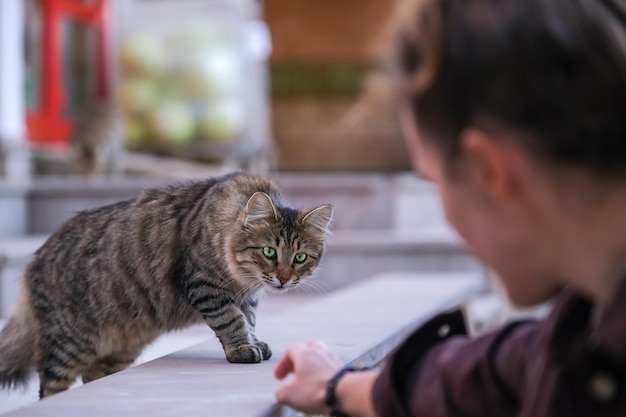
[610,331]
[570,321]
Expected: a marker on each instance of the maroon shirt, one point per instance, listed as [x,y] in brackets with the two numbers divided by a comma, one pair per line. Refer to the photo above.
[561,366]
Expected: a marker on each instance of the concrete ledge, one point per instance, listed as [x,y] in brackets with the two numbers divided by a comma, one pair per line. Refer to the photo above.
[54,199]
[415,240]
[352,255]
[363,323]
[372,201]
[360,200]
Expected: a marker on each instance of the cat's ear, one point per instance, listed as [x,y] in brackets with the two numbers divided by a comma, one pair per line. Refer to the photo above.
[259,207]
[319,218]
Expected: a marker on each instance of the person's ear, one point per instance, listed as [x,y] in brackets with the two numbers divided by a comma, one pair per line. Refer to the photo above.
[493,162]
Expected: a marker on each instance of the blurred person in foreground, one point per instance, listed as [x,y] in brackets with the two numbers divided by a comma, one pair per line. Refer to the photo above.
[516,110]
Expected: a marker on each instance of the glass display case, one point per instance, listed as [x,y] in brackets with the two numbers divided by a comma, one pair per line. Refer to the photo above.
[192,79]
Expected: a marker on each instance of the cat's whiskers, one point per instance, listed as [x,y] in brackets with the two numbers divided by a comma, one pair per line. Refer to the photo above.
[224,283]
[311,291]
[246,291]
[235,279]
[317,286]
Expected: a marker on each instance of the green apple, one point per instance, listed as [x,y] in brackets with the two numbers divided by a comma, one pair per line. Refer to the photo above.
[173,122]
[222,65]
[137,95]
[143,54]
[191,81]
[222,120]
[134,133]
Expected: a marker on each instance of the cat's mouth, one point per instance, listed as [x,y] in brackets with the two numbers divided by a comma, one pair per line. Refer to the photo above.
[277,290]
[279,285]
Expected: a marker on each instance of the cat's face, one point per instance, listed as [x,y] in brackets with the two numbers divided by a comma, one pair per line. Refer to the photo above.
[277,247]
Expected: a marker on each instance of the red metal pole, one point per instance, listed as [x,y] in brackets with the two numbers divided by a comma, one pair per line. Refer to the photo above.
[102,72]
[51,91]
[80,10]
[48,124]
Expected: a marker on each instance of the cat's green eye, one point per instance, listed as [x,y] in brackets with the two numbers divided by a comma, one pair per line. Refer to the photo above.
[300,257]
[269,252]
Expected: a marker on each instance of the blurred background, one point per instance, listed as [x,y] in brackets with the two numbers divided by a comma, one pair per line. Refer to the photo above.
[330,110]
[264,85]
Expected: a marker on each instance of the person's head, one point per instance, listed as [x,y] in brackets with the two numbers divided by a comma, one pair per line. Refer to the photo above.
[516,109]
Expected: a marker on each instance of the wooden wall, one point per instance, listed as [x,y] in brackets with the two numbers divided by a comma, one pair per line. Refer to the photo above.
[326,29]
[309,129]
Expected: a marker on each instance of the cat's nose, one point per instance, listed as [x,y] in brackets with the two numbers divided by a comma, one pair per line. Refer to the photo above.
[283,275]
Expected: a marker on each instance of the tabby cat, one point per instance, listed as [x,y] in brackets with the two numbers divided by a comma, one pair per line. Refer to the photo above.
[112,279]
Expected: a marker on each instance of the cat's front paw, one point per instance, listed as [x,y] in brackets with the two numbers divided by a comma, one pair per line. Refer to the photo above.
[265,350]
[248,353]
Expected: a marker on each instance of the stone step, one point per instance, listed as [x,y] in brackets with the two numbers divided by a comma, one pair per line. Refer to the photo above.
[362,201]
[352,255]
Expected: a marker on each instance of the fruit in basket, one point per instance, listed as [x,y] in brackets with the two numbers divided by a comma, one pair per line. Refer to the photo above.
[169,77]
[172,122]
[221,65]
[137,95]
[222,121]
[134,133]
[189,80]
[143,54]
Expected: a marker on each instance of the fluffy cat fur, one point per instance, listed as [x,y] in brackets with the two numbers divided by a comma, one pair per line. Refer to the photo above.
[112,279]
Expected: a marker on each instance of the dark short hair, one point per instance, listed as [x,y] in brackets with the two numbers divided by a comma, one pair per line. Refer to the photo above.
[552,70]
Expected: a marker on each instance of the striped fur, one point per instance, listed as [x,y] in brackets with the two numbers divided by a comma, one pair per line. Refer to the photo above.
[112,279]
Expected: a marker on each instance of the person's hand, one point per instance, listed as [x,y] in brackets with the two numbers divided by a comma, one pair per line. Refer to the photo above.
[313,365]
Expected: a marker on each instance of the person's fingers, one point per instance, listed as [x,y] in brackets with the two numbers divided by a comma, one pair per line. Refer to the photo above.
[286,364]
[282,394]
[284,367]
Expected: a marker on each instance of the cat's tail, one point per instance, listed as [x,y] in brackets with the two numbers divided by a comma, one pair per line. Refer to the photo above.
[17,347]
